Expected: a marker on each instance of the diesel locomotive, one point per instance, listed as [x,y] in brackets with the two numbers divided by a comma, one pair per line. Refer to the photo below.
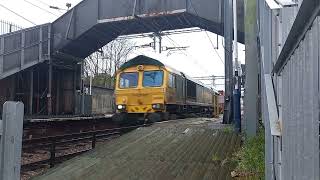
[148,90]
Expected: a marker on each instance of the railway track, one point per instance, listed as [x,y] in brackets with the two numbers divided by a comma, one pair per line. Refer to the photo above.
[41,153]
[46,152]
[53,128]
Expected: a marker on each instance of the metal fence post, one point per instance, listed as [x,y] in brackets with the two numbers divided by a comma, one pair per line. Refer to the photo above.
[94,139]
[52,153]
[11,140]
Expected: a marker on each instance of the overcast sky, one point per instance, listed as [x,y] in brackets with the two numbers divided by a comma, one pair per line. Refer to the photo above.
[199,59]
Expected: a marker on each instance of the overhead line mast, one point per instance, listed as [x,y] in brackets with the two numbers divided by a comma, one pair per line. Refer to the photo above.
[237,84]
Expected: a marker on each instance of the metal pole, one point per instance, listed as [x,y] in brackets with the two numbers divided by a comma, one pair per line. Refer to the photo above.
[237,88]
[235,35]
[227,115]
[155,43]
[90,90]
[82,88]
[160,43]
[75,88]
[58,93]
[31,93]
[49,95]
[10,27]
[251,74]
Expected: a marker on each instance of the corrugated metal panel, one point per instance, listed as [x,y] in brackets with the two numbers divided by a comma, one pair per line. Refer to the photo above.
[300,111]
[294,155]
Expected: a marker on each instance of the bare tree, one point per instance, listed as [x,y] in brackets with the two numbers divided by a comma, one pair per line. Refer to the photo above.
[103,64]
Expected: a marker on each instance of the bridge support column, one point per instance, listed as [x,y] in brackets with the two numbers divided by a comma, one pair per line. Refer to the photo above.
[31,93]
[228,31]
[58,88]
[251,83]
[49,95]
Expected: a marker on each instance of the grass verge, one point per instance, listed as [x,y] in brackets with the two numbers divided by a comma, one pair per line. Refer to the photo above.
[250,158]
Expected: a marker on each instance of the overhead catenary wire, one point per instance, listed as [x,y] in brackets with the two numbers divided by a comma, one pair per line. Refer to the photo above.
[43,3]
[191,3]
[40,8]
[185,53]
[17,14]
[46,4]
[175,44]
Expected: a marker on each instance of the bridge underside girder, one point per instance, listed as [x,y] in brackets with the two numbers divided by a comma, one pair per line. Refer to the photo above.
[104,32]
[78,34]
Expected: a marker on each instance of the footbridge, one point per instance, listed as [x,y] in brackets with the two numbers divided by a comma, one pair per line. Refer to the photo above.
[93,23]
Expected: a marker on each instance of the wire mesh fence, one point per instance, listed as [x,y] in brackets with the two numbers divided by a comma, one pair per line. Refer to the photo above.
[7,27]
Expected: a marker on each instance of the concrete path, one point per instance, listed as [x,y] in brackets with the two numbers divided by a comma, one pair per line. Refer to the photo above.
[194,148]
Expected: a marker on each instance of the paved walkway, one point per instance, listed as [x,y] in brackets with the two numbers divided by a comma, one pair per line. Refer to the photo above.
[192,149]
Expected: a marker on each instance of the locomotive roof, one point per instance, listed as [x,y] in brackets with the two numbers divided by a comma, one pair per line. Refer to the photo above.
[141,60]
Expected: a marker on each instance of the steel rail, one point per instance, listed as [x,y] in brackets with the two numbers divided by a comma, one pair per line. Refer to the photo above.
[52,142]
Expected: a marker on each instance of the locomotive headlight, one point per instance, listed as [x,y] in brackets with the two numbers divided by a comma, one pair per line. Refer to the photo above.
[157,106]
[121,107]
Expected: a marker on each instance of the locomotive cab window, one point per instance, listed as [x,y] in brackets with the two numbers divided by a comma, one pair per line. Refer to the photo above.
[172,80]
[152,78]
[128,80]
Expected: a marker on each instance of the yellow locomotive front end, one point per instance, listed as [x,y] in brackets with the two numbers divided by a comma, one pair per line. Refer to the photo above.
[140,92]
[146,89]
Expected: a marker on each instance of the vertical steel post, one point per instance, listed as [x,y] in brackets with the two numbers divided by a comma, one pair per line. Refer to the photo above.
[1,55]
[58,94]
[31,93]
[94,140]
[155,43]
[90,88]
[235,35]
[75,88]
[160,43]
[10,27]
[251,85]
[82,88]
[227,115]
[237,84]
[49,95]
[52,154]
